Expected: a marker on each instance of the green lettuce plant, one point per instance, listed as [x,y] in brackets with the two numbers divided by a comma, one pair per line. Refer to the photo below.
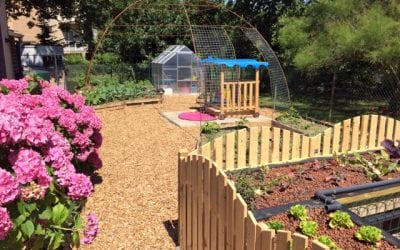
[340,219]
[369,234]
[309,228]
[299,212]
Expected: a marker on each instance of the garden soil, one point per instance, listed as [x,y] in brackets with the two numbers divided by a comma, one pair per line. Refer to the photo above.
[136,199]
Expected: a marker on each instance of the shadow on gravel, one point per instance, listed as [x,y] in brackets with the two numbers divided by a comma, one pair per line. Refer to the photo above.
[172,228]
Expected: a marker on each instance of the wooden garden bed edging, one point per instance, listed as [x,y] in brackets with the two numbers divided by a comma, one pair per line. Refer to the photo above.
[268,145]
[213,216]
[122,104]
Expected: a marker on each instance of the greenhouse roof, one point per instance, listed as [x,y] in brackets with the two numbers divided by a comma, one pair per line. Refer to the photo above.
[230,63]
[170,52]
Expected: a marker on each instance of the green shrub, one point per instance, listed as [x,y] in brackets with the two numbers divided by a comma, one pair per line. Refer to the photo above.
[128,90]
[245,189]
[210,128]
[74,59]
[309,228]
[107,58]
[328,242]
[299,212]
[340,219]
[369,234]
[274,224]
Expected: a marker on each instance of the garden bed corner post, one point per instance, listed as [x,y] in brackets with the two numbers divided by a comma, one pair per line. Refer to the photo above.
[183,153]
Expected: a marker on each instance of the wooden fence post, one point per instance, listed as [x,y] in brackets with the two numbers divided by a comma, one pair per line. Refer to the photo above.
[183,153]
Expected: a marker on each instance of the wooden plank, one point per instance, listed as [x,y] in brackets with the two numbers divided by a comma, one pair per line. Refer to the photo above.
[200,204]
[230,151]
[285,145]
[299,241]
[305,146]
[222,88]
[239,97]
[251,97]
[257,90]
[316,245]
[372,132]
[207,203]
[276,144]
[182,195]
[239,222]
[369,195]
[206,150]
[217,152]
[194,201]
[214,207]
[315,145]
[355,134]
[346,136]
[190,167]
[283,239]
[336,138]
[230,192]
[242,145]
[258,236]
[221,210]
[265,145]
[326,148]
[267,237]
[250,237]
[382,130]
[396,135]
[389,129]
[295,146]
[234,104]
[364,132]
[245,96]
[253,157]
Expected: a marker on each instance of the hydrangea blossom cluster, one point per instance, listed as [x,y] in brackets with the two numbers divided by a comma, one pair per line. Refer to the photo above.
[47,135]
[92,227]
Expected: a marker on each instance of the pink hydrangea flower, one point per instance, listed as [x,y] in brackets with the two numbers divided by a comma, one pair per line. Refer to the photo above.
[91,230]
[9,188]
[16,86]
[5,223]
[79,187]
[33,191]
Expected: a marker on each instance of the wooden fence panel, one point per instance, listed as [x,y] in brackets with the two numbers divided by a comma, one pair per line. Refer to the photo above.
[230,192]
[372,132]
[221,210]
[346,136]
[182,195]
[295,146]
[242,145]
[364,132]
[214,173]
[206,150]
[283,239]
[239,222]
[207,203]
[250,231]
[276,145]
[285,145]
[382,130]
[355,134]
[300,242]
[315,146]
[195,204]
[189,223]
[397,131]
[230,151]
[200,202]
[336,138]
[253,158]
[218,151]
[326,148]
[316,245]
[267,237]
[265,145]
[305,146]
[389,129]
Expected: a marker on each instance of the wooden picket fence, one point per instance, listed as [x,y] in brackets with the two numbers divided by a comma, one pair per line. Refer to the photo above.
[213,216]
[271,145]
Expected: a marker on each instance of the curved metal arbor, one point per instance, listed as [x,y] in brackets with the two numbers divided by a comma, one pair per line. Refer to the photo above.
[213,40]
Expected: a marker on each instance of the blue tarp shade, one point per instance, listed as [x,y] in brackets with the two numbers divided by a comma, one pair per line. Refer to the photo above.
[230,63]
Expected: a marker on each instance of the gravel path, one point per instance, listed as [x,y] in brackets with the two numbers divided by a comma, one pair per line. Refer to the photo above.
[137,197]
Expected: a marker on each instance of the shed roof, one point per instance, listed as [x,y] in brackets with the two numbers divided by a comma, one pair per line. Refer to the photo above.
[169,52]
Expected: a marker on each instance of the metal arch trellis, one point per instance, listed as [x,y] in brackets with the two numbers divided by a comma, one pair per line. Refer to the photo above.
[279,86]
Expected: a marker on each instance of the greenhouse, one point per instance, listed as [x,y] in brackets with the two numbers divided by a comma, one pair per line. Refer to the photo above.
[175,70]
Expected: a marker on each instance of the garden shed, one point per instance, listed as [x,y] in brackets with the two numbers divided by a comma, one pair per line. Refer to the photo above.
[175,70]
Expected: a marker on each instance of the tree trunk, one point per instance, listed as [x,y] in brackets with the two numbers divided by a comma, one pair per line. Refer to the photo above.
[332,96]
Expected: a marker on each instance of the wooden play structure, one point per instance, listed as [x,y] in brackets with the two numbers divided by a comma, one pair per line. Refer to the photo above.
[226,93]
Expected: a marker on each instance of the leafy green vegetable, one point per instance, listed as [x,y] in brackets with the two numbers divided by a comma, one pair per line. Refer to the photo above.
[369,234]
[340,219]
[274,224]
[299,212]
[328,242]
[210,128]
[309,228]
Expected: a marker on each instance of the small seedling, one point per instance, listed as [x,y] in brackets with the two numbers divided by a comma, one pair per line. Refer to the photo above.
[245,188]
[276,225]
[210,128]
[309,228]
[340,219]
[299,212]
[369,234]
[328,242]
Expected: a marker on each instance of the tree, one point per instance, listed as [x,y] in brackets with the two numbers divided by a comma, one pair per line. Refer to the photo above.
[46,9]
[330,35]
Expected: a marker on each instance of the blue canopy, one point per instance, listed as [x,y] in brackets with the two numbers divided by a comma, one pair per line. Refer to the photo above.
[230,63]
